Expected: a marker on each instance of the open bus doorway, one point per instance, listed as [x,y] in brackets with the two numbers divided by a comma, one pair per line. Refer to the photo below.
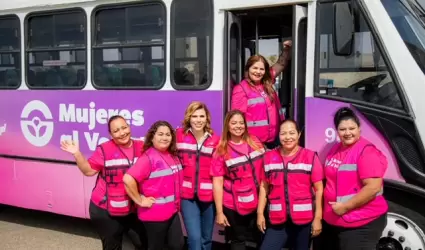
[263,31]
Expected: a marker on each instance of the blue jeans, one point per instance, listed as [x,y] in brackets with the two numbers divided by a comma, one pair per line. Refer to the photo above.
[198,219]
[277,236]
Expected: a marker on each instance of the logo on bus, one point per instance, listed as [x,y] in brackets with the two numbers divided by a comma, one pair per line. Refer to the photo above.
[37,130]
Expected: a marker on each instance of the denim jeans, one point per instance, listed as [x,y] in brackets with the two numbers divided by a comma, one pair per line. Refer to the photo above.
[198,219]
[277,236]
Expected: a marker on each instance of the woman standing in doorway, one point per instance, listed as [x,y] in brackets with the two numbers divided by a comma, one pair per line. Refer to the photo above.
[111,210]
[236,168]
[196,143]
[256,97]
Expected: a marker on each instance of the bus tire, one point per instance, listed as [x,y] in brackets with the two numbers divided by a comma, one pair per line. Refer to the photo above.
[405,227]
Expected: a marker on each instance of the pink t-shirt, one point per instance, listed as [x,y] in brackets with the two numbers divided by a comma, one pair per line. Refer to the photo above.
[369,165]
[97,162]
[219,168]
[240,102]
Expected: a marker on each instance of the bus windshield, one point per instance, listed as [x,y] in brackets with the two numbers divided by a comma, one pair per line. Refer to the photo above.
[408,17]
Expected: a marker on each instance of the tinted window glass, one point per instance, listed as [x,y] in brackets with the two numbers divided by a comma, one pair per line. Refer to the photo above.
[10,53]
[128,51]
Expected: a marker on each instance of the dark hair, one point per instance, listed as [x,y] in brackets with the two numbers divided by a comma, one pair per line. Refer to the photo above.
[267,80]
[113,118]
[344,114]
[297,127]
[172,149]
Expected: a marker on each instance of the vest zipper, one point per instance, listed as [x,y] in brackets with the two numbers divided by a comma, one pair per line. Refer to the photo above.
[285,182]
[198,156]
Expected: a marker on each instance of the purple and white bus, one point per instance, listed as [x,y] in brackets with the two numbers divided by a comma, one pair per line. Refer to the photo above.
[68,65]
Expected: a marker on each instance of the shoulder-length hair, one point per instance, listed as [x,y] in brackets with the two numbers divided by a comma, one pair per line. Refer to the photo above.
[172,149]
[192,108]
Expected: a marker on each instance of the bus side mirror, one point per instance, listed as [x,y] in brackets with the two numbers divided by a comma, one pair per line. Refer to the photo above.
[343,29]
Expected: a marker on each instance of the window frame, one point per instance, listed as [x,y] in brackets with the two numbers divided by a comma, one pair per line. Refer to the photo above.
[133,45]
[378,40]
[14,16]
[28,50]
[173,52]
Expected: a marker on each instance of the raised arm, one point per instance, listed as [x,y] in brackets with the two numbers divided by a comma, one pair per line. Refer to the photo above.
[283,59]
[83,164]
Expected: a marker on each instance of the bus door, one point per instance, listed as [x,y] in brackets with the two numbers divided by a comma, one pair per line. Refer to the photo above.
[298,66]
[233,59]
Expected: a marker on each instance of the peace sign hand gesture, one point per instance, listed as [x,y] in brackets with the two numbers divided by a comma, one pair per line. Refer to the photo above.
[70,147]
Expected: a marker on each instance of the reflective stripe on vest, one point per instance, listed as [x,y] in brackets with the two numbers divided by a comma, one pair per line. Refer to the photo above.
[274,166]
[246,199]
[256,100]
[243,158]
[165,200]
[119,203]
[295,207]
[119,162]
[194,147]
[259,123]
[165,172]
[204,186]
[300,166]
[351,168]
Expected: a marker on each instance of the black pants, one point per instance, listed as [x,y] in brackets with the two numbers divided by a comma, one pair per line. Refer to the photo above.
[241,227]
[111,229]
[160,233]
[360,238]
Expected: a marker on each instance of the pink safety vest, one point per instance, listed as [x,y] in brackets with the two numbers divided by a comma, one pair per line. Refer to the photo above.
[196,161]
[242,181]
[348,184]
[290,187]
[258,114]
[163,184]
[118,203]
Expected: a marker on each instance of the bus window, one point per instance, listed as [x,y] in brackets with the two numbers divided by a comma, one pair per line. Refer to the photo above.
[10,52]
[191,43]
[56,50]
[363,76]
[128,46]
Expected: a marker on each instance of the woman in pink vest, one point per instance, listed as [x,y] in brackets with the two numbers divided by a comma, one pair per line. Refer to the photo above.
[236,169]
[294,211]
[256,97]
[196,143]
[111,210]
[354,206]
[154,184]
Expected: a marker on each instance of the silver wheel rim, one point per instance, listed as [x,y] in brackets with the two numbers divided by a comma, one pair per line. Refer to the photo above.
[404,231]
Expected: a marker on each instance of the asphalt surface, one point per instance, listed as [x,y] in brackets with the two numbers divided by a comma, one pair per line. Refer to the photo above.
[22,229]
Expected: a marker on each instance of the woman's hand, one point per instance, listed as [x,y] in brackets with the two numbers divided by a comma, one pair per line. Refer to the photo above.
[339,208]
[70,147]
[316,227]
[147,202]
[222,220]
[261,223]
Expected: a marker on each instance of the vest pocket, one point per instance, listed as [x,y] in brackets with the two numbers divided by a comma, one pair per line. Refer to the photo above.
[302,210]
[277,210]
[246,198]
[119,203]
[205,190]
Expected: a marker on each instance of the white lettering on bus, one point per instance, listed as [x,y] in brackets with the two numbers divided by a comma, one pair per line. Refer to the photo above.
[92,116]
[331,135]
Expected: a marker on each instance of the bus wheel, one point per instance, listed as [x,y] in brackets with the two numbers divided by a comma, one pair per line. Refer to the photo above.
[405,229]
